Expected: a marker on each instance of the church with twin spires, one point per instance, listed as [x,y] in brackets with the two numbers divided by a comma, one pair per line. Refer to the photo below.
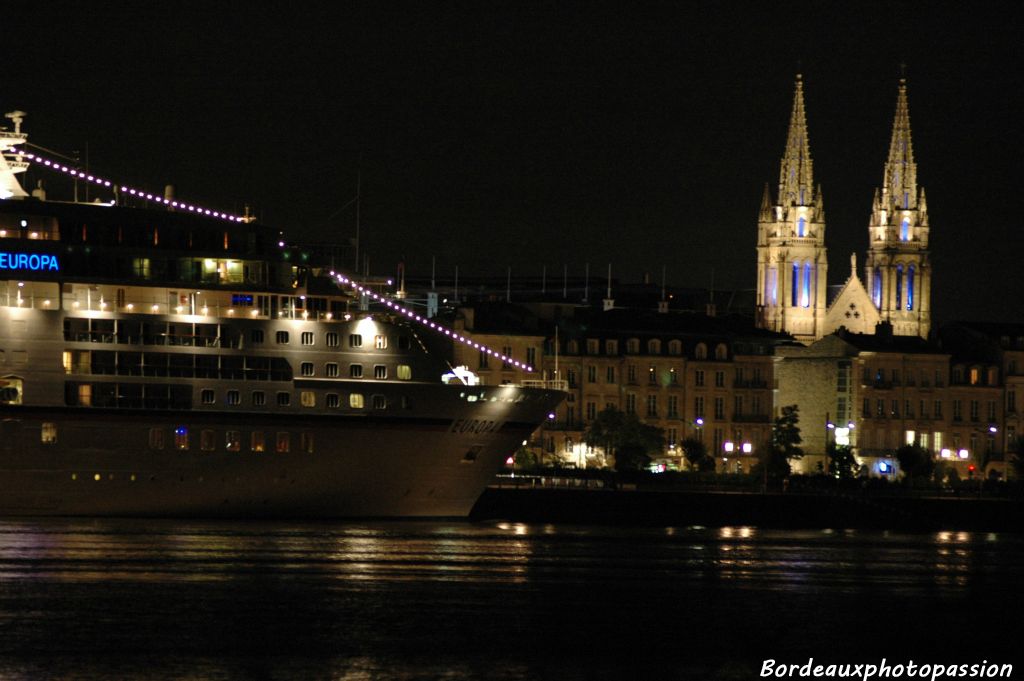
[792,263]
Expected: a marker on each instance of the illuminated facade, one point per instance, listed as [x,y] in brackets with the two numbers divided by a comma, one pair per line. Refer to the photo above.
[791,256]
[792,263]
[898,271]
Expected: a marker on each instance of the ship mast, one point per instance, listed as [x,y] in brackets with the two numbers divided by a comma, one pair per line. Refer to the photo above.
[12,163]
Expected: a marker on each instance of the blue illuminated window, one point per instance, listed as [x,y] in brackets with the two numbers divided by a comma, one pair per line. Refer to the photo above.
[876,288]
[801,226]
[910,287]
[796,283]
[899,286]
[805,298]
[905,230]
[773,285]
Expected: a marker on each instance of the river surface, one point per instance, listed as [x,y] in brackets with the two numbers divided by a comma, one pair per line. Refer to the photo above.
[137,599]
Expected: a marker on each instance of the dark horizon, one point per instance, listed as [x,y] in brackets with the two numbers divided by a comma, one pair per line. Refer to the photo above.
[527,135]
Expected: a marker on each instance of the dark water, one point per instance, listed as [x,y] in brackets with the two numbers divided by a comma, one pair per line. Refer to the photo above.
[118,599]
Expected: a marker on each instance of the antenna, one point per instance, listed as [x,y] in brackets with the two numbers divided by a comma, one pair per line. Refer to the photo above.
[565,281]
[433,272]
[609,280]
[586,282]
[543,280]
[663,282]
[508,286]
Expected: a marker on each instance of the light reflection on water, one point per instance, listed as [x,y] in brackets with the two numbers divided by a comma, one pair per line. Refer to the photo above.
[91,599]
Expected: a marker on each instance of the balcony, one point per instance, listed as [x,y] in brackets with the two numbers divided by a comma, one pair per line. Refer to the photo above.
[750,383]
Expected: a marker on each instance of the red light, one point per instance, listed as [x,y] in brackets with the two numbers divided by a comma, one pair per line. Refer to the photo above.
[971,468]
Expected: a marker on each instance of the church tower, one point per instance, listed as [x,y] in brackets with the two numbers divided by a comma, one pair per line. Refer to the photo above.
[898,271]
[791,254]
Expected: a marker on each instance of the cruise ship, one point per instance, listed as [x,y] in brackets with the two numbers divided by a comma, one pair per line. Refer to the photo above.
[158,358]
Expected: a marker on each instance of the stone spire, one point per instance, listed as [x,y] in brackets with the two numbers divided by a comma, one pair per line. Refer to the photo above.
[796,177]
[766,204]
[899,186]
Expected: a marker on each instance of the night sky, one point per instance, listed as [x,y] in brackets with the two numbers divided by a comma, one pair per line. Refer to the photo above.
[526,134]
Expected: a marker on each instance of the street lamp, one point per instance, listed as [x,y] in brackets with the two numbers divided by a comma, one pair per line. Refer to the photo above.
[828,426]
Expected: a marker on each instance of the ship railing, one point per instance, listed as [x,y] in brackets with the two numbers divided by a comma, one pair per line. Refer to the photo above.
[547,384]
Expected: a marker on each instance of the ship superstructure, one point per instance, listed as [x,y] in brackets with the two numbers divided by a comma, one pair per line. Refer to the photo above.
[176,361]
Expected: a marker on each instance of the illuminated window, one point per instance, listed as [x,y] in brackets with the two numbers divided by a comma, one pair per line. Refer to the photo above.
[404,372]
[801,227]
[307,398]
[773,286]
[805,295]
[156,438]
[282,337]
[380,342]
[259,398]
[332,340]
[355,400]
[306,442]
[283,443]
[206,440]
[331,370]
[876,288]
[256,442]
[307,337]
[284,399]
[306,368]
[355,341]
[905,231]
[796,284]
[233,441]
[380,402]
[233,397]
[380,372]
[355,370]
[181,438]
[84,395]
[332,400]
[48,433]
[910,287]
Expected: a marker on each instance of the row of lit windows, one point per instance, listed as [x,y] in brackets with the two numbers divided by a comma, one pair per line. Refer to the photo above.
[180,439]
[380,371]
[307,398]
[331,339]
[258,441]
[675,347]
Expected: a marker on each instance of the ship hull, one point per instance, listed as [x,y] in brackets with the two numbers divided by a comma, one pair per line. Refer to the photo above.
[412,467]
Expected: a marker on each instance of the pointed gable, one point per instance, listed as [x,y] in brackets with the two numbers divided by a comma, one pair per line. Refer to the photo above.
[852,308]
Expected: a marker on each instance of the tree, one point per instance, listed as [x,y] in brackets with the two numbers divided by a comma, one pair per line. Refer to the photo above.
[776,454]
[786,433]
[915,461]
[842,463]
[696,452]
[525,459]
[1017,461]
[624,436]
